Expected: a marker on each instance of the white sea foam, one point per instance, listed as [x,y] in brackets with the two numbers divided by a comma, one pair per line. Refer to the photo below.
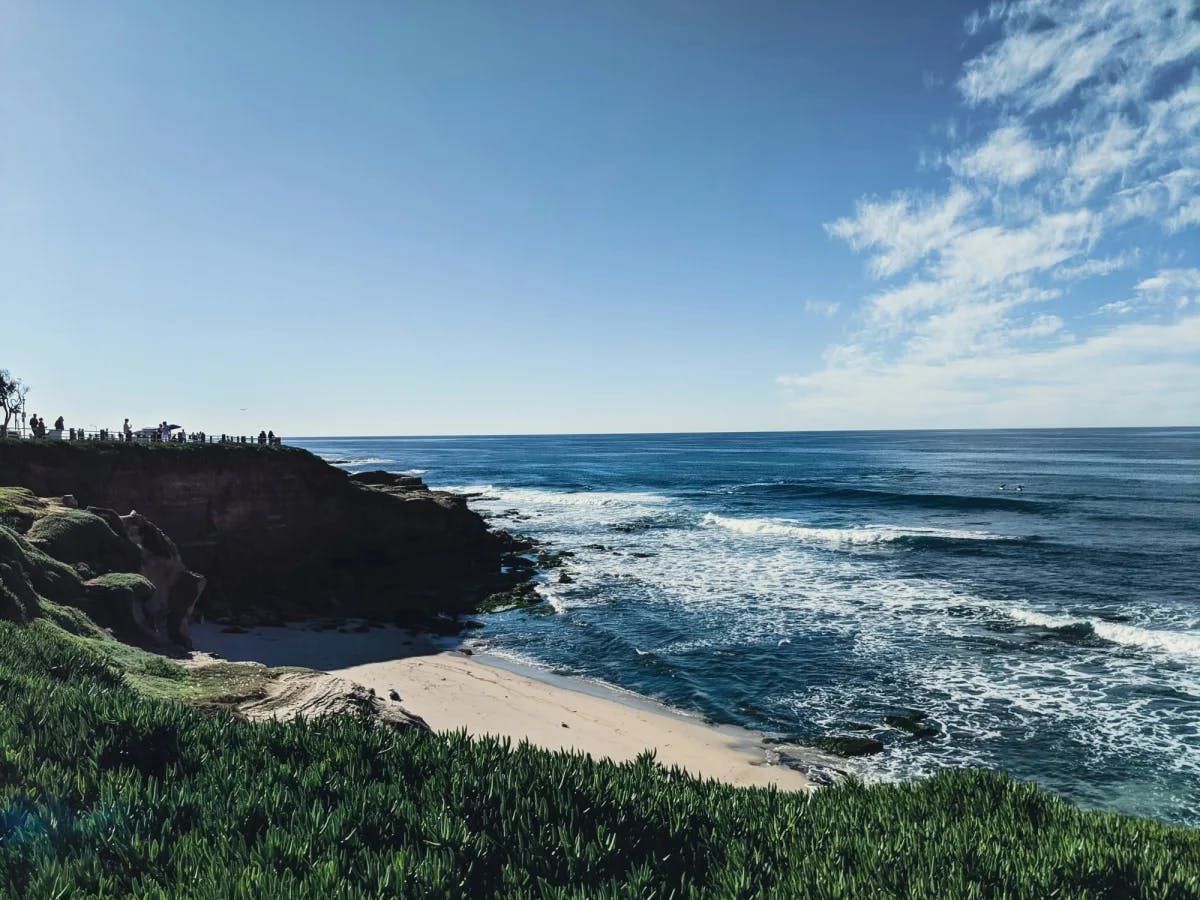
[357,461]
[551,597]
[915,634]
[863,536]
[552,513]
[535,497]
[1175,643]
[529,496]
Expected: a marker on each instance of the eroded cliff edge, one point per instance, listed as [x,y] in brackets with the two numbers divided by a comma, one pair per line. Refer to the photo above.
[277,531]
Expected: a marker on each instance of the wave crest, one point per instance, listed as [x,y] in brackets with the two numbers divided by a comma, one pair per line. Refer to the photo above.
[1174,643]
[865,535]
[335,460]
[534,497]
[790,489]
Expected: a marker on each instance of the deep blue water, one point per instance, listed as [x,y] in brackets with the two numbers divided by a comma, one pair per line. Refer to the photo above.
[1034,592]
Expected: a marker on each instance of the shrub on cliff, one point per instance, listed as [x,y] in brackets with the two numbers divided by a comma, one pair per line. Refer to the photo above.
[28,572]
[84,539]
[106,793]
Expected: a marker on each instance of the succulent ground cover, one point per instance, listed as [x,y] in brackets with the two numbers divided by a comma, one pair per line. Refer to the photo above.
[108,792]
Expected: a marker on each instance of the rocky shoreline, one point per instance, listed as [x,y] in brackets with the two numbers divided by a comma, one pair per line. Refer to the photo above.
[280,534]
[128,576]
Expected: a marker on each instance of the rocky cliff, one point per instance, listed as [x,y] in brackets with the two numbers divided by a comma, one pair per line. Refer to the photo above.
[121,570]
[278,532]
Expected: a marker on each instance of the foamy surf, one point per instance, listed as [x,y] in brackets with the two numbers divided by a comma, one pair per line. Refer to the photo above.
[840,579]
[1174,643]
[866,535]
[357,461]
[532,497]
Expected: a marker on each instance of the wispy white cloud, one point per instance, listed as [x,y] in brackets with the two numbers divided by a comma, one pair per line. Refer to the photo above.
[826,308]
[1167,290]
[1091,268]
[1177,286]
[903,230]
[1094,108]
[1186,215]
[1008,156]
[1133,374]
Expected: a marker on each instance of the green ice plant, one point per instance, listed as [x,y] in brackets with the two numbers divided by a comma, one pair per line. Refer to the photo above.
[105,792]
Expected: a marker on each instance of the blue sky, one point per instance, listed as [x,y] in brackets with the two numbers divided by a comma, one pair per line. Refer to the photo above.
[426,218]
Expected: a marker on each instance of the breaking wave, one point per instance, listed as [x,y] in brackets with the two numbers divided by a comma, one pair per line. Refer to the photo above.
[1174,643]
[357,461]
[962,502]
[867,535]
[533,497]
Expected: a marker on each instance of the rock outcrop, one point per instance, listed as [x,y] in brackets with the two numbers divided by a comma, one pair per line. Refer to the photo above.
[258,693]
[278,532]
[121,570]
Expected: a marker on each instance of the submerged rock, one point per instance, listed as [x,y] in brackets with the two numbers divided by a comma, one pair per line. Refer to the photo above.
[379,478]
[817,773]
[850,745]
[914,722]
[552,559]
[520,596]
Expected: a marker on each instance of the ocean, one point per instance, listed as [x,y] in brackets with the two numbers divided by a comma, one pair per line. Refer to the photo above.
[1033,593]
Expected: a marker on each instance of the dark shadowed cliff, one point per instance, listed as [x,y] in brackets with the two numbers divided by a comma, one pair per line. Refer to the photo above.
[278,531]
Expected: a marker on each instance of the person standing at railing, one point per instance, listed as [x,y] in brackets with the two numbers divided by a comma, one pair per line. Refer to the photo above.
[127,430]
[58,424]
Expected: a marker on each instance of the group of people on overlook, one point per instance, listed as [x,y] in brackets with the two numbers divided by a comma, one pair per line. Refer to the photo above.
[37,425]
[163,432]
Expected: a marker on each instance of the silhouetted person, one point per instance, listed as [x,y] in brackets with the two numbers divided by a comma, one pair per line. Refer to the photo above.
[262,437]
[127,430]
[271,438]
[41,427]
[58,424]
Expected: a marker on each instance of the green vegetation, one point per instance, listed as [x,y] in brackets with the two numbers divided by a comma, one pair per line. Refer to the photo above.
[19,507]
[107,793]
[125,774]
[84,540]
[24,570]
[215,686]
[520,596]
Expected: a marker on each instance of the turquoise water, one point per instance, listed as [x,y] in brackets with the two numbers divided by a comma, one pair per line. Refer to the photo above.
[1033,592]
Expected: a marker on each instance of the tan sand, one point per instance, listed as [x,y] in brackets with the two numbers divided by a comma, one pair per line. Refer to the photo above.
[452,691]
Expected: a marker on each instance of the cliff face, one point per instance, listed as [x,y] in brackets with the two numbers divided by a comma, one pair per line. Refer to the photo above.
[121,570]
[278,531]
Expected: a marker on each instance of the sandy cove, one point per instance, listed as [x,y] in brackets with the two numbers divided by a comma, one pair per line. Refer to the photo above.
[451,690]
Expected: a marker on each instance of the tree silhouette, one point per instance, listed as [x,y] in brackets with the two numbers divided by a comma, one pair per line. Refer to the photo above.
[12,399]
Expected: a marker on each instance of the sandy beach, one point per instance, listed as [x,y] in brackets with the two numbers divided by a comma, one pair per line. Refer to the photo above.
[451,690]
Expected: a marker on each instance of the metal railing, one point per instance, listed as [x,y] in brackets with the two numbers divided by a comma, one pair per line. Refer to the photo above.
[142,436]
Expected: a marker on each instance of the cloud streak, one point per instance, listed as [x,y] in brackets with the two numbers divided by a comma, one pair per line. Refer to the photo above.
[1090,137]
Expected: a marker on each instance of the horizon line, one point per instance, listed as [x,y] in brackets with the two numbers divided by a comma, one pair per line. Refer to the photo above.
[315,437]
